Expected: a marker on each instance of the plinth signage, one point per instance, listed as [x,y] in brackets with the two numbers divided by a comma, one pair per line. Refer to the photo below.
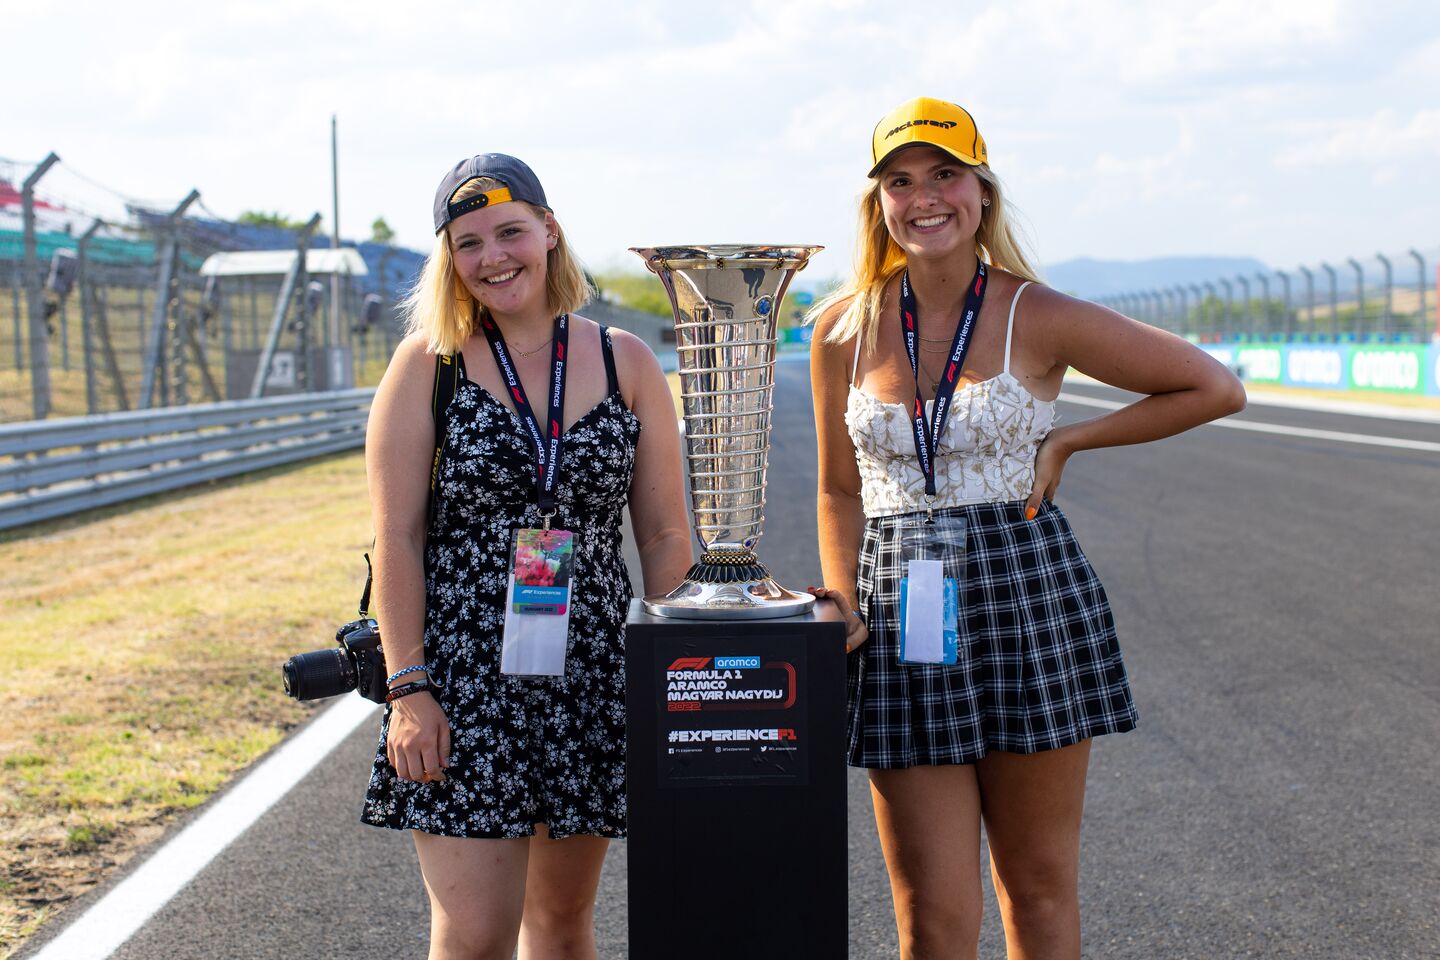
[734,712]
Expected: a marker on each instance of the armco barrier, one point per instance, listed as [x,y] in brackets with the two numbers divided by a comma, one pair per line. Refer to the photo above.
[52,468]
[1377,368]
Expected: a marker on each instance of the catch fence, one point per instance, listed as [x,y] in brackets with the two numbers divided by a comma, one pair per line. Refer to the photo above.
[1384,298]
[110,303]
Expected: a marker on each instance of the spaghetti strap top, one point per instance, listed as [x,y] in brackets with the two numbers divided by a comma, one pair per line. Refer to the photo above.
[986,456]
[1009,334]
[607,349]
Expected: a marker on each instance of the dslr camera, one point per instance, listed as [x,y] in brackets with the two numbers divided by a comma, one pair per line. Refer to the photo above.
[356,663]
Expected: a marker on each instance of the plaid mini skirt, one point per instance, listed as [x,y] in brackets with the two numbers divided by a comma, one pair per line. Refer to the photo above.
[1039,665]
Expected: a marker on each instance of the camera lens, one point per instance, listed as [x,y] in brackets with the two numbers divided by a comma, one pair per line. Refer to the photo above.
[320,673]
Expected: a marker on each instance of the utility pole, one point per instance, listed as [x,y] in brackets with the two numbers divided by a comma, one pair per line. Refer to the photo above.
[334,338]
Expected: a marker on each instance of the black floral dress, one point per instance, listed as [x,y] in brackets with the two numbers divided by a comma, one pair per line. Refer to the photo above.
[524,749]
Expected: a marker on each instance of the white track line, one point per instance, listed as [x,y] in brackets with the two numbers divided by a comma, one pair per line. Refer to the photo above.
[1265,397]
[112,920]
[1280,429]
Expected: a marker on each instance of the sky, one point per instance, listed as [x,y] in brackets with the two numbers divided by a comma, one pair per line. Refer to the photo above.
[1288,131]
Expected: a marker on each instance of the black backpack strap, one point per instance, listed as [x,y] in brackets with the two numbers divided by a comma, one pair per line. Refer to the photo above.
[449,371]
[607,349]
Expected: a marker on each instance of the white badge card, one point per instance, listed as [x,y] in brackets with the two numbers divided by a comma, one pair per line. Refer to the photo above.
[537,603]
[934,556]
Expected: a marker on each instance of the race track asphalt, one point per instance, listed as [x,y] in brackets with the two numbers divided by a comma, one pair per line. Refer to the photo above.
[1278,602]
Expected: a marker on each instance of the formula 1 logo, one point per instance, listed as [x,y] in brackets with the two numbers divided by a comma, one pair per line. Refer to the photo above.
[690,663]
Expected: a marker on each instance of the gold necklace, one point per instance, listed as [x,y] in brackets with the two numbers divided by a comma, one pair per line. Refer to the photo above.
[526,353]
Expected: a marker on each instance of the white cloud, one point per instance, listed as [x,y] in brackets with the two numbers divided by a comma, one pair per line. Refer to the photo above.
[1122,128]
[1381,137]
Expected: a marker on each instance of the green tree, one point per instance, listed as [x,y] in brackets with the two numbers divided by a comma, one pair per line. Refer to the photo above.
[273,218]
[636,291]
[380,231]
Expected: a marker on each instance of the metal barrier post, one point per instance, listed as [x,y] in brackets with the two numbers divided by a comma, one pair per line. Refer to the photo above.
[1359,297]
[164,292]
[1389,294]
[1248,315]
[1420,265]
[87,312]
[1334,302]
[39,336]
[293,278]
[1288,326]
[1229,309]
[1264,302]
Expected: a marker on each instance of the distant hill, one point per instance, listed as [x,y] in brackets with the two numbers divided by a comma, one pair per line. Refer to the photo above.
[1102,278]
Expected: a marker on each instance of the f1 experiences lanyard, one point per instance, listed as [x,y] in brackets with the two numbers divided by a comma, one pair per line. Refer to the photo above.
[927,441]
[547,444]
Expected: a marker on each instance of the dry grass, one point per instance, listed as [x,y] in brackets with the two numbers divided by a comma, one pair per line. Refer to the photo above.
[141,650]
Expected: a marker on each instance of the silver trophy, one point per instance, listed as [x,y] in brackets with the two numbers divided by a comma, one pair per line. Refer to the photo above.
[726,298]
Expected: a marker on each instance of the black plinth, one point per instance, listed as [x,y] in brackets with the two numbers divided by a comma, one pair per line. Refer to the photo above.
[735,782]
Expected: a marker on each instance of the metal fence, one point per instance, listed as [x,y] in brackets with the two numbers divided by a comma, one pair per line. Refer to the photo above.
[1379,299]
[112,313]
[53,468]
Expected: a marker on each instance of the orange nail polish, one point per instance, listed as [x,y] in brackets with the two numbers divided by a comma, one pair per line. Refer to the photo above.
[1029,513]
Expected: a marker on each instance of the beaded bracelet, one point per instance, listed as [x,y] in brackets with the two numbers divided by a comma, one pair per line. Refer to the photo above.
[400,673]
[404,690]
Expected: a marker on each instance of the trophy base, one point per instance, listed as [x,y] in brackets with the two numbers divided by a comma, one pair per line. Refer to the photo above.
[728,586]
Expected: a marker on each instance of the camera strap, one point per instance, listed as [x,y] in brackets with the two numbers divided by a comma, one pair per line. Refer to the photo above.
[449,371]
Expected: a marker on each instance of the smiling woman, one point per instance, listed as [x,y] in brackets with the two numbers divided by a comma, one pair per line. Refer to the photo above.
[985,656]
[502,748]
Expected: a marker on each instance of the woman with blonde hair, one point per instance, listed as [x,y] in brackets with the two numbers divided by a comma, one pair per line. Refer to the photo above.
[502,593]
[984,656]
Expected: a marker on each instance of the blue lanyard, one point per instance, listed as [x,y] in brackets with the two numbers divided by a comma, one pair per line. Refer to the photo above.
[547,443]
[927,440]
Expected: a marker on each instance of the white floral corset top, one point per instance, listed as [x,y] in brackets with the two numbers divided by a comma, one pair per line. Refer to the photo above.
[987,454]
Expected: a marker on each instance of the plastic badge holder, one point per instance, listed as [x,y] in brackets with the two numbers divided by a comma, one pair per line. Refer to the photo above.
[933,552]
[537,603]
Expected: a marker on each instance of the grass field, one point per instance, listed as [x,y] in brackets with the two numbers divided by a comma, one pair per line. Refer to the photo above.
[142,650]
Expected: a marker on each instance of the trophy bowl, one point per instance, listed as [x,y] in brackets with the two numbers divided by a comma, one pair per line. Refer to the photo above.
[726,299]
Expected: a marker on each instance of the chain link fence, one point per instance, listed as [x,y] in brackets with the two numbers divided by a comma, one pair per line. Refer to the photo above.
[109,303]
[1378,299]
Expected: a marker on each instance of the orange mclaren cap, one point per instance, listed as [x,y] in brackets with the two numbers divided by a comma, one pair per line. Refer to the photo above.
[927,120]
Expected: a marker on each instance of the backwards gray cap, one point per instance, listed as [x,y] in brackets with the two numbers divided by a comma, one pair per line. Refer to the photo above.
[520,183]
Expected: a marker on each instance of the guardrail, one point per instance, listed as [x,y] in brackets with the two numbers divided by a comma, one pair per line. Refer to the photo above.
[52,468]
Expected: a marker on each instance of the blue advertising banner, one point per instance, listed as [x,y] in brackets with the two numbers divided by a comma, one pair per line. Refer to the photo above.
[1321,366]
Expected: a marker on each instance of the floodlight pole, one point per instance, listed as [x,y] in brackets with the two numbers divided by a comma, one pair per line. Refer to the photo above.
[334,338]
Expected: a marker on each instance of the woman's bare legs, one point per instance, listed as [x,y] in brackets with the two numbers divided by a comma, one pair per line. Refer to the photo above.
[929,822]
[1032,805]
[559,921]
[477,893]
